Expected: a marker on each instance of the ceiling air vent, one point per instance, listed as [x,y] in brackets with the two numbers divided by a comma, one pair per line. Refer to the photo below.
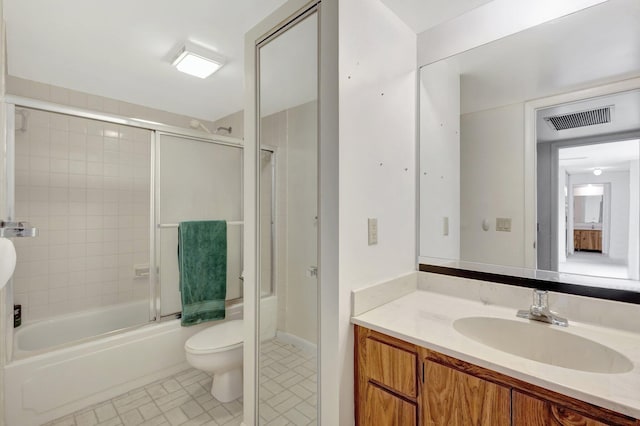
[580,119]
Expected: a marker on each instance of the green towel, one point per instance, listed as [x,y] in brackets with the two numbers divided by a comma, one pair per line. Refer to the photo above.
[202,260]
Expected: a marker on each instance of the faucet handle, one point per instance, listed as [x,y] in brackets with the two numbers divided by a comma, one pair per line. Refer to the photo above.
[540,299]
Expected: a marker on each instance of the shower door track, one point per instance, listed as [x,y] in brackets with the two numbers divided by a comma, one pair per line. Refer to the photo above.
[37,104]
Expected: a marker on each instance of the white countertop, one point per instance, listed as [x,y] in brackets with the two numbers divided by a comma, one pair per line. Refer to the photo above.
[426,319]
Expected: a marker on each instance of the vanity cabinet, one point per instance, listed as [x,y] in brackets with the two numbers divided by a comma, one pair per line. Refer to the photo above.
[386,380]
[587,239]
[531,411]
[451,397]
[398,383]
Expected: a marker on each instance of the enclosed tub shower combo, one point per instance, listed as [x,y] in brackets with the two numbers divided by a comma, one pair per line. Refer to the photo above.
[98,287]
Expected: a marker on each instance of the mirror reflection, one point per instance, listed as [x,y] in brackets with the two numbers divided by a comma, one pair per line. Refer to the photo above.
[288,258]
[587,208]
[511,134]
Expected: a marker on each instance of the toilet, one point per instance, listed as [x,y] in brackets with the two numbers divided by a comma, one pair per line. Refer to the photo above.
[218,350]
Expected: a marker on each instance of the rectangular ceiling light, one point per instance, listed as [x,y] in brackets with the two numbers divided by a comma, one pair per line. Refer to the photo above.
[198,61]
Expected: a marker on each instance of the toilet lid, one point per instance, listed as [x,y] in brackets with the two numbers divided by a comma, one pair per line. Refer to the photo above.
[223,336]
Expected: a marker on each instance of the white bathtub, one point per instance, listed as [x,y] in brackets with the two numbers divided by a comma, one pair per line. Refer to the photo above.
[50,384]
[41,336]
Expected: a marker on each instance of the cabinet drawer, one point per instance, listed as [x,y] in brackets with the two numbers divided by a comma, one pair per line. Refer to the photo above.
[392,367]
[384,408]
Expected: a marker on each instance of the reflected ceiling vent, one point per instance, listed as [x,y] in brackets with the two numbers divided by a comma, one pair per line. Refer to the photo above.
[580,119]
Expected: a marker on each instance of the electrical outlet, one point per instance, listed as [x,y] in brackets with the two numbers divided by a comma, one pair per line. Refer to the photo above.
[503,224]
[373,231]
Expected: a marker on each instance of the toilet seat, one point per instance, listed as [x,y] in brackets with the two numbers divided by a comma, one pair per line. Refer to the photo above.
[217,338]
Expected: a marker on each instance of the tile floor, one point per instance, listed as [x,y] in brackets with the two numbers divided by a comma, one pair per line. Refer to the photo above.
[287,397]
[598,264]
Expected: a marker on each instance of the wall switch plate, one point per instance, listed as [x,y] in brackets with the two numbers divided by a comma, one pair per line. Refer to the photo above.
[373,231]
[503,224]
[445,226]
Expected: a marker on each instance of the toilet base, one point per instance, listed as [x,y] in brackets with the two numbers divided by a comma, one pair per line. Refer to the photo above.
[227,386]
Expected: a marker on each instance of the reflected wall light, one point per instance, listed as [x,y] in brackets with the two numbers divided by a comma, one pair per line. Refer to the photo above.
[197,60]
[597,172]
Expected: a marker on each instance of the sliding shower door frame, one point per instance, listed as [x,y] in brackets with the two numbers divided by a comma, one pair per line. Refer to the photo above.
[11,102]
[157,220]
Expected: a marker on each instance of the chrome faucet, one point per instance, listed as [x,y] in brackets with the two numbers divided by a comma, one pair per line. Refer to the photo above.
[539,310]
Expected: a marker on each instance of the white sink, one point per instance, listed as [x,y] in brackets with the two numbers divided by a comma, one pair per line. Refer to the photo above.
[544,343]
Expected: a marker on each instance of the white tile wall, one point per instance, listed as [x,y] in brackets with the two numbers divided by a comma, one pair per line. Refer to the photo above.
[85,185]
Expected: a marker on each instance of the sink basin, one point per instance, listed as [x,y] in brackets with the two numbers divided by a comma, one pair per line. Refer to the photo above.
[543,343]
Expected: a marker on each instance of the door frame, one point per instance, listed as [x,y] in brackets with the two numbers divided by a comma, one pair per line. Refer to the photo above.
[328,287]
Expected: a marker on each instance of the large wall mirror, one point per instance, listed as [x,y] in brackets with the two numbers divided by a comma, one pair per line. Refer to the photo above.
[531,147]
[287,174]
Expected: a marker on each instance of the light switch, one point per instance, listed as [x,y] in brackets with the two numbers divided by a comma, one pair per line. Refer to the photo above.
[373,231]
[445,226]
[503,224]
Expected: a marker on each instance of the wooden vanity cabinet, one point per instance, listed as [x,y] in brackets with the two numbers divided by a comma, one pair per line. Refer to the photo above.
[531,411]
[386,388]
[587,239]
[451,397]
[398,384]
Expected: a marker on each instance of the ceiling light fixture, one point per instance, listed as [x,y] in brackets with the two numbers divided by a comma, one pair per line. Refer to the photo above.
[197,61]
[597,172]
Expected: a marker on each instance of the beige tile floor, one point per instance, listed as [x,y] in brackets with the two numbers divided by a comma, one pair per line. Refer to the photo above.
[287,397]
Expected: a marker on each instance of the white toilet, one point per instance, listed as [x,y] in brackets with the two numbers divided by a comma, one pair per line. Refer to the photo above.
[218,350]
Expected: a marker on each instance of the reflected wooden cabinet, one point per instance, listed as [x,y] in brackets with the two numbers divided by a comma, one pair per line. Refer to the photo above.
[587,239]
[398,384]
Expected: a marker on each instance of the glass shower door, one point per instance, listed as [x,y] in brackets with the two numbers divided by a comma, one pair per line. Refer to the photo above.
[196,179]
[85,184]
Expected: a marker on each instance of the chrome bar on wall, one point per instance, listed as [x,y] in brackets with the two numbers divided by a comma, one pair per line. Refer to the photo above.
[175,225]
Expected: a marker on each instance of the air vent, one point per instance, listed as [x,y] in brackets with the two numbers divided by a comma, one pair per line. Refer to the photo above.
[580,119]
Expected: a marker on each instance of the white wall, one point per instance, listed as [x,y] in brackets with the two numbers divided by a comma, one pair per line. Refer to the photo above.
[377,103]
[619,219]
[439,172]
[489,22]
[634,219]
[560,214]
[492,153]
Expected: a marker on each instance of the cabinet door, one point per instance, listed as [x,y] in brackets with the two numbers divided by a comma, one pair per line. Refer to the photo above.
[453,398]
[383,408]
[597,240]
[530,411]
[576,240]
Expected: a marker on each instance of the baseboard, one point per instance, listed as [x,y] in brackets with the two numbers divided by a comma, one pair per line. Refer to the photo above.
[305,345]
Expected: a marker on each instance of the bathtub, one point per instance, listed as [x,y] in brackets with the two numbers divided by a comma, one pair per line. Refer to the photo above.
[44,384]
[41,336]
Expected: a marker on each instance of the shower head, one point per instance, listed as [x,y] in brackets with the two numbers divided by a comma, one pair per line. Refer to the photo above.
[196,124]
